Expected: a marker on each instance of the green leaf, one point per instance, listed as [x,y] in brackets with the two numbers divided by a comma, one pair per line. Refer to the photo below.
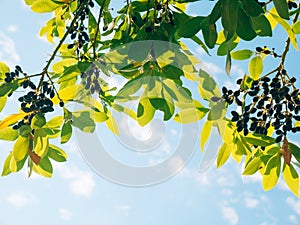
[282,9]
[291,178]
[216,12]
[44,168]
[272,172]
[296,27]
[42,6]
[217,111]
[252,8]
[230,16]
[6,166]
[92,26]
[190,27]
[6,88]
[20,148]
[83,66]
[245,27]
[25,130]
[38,121]
[223,155]
[8,134]
[207,86]
[83,121]
[262,26]
[205,133]
[130,88]
[223,48]
[253,166]
[259,140]
[57,154]
[255,67]
[210,35]
[295,150]
[228,62]
[241,54]
[66,132]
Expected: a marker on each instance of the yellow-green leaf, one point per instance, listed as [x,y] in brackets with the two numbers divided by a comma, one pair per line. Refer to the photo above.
[13,167]
[20,148]
[291,178]
[11,119]
[42,6]
[3,100]
[6,166]
[8,134]
[223,155]
[55,122]
[272,172]
[3,69]
[255,67]
[145,111]
[205,133]
[41,142]
[112,125]
[253,166]
[66,94]
[44,168]
[190,115]
[99,117]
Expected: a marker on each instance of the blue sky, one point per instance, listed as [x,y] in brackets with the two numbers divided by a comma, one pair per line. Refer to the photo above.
[77,195]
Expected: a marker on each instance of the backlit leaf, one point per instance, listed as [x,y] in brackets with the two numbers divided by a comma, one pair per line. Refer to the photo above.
[255,67]
[223,155]
[291,178]
[205,133]
[11,120]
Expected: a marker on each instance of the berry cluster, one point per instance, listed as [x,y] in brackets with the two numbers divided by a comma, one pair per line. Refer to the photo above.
[37,99]
[292,4]
[91,80]
[32,101]
[79,33]
[267,51]
[271,102]
[164,15]
[9,77]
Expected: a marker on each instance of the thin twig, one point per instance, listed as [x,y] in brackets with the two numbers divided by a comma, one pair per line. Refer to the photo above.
[98,25]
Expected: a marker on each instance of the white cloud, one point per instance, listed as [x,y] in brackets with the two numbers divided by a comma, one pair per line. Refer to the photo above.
[211,68]
[225,180]
[230,215]
[12,28]
[295,204]
[124,208]
[81,183]
[65,214]
[236,70]
[21,199]
[251,202]
[202,178]
[255,178]
[8,52]
[293,219]
[226,192]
